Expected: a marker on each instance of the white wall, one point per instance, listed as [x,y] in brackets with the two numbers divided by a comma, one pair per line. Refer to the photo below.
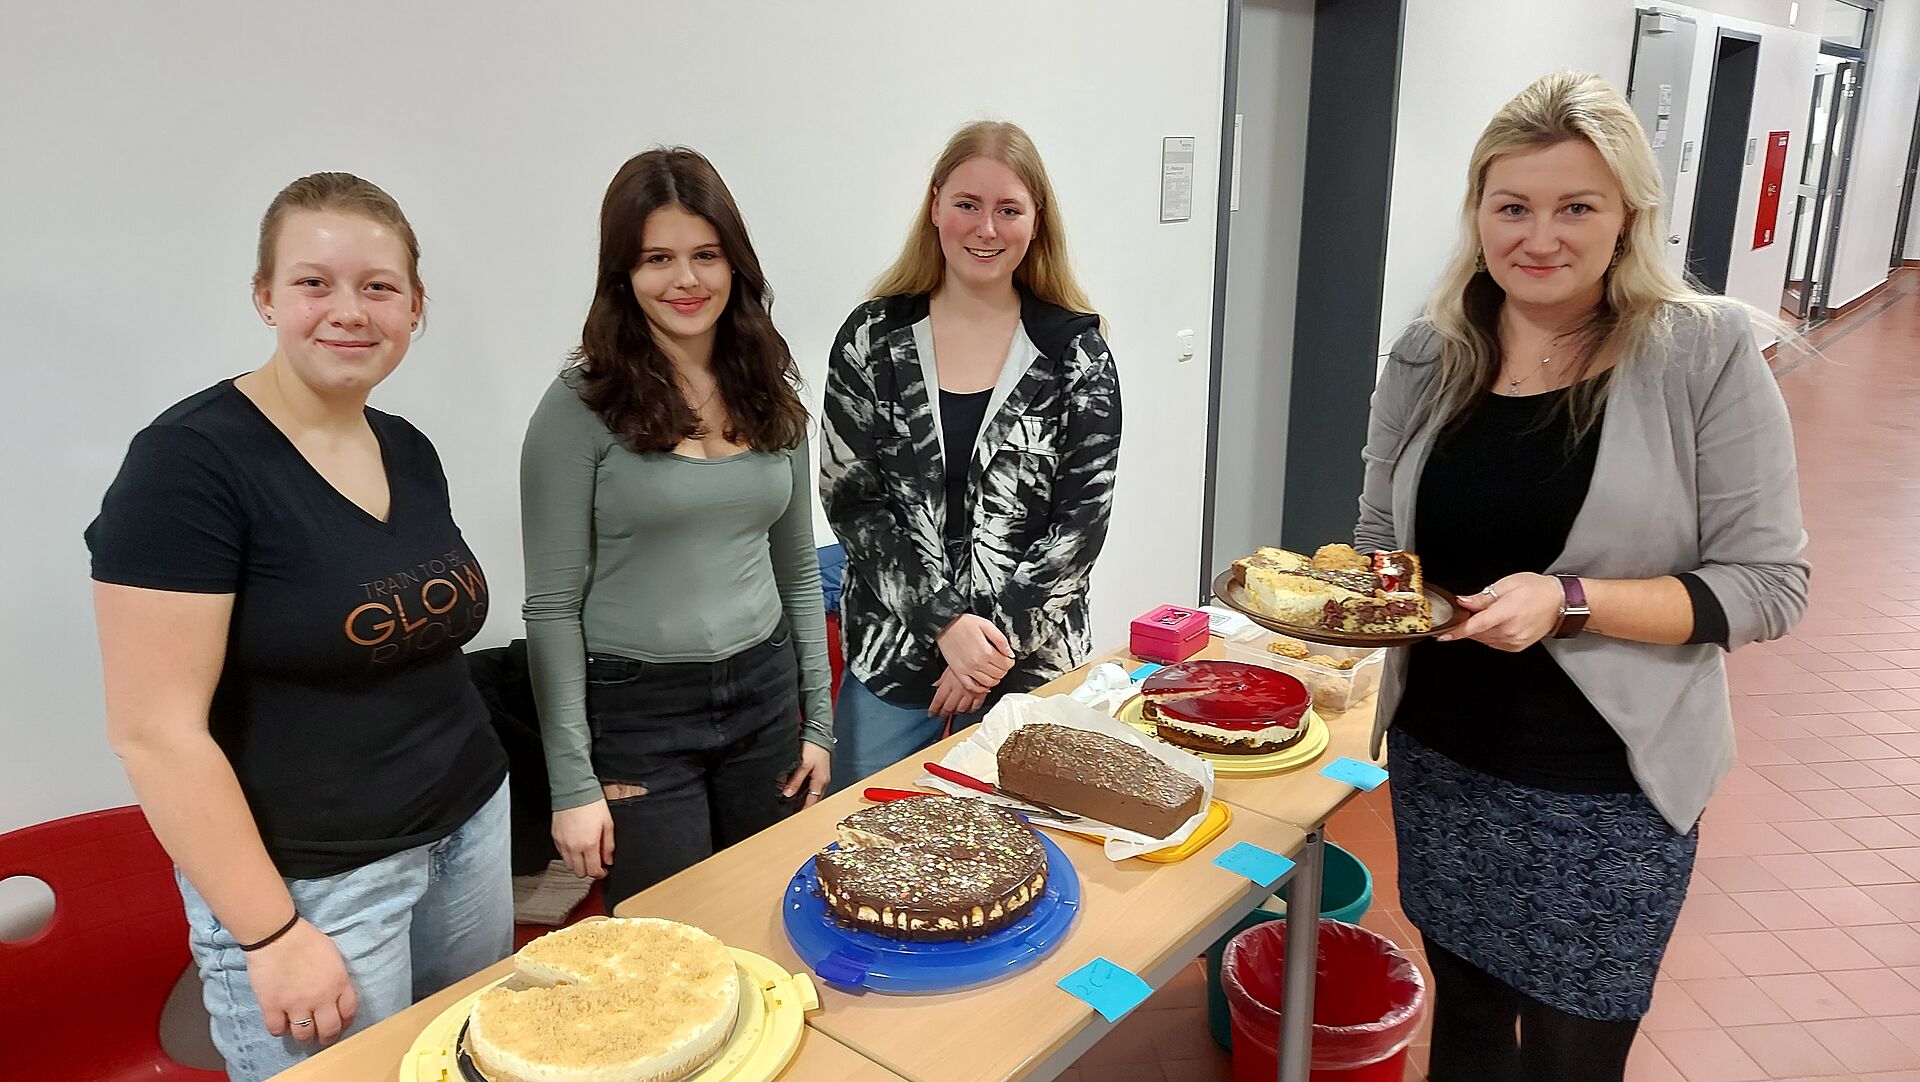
[1454,76]
[156,135]
[1460,63]
[1263,274]
[1885,126]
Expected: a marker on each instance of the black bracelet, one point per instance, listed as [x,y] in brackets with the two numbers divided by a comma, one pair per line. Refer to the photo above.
[284,929]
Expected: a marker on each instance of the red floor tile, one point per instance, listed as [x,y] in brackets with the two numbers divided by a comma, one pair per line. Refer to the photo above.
[1759,954]
[1864,1044]
[1808,997]
[1787,1051]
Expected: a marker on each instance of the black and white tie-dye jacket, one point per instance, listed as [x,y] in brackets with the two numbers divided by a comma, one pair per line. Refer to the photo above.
[1040,491]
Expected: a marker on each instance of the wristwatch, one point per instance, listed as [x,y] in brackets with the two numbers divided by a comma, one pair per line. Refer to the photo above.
[1573,607]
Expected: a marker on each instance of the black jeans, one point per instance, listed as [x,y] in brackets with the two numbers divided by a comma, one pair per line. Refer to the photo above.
[1473,1032]
[708,746]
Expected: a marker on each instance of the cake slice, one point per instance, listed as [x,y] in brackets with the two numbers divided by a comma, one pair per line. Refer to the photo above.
[1094,775]
[1339,590]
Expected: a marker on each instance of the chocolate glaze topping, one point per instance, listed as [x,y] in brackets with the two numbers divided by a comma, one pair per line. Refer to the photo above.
[1097,776]
[933,867]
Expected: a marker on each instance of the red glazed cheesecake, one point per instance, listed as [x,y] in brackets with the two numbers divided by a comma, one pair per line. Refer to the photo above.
[1226,707]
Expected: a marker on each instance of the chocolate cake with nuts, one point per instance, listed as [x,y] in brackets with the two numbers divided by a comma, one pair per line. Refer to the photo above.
[932,868]
[1094,775]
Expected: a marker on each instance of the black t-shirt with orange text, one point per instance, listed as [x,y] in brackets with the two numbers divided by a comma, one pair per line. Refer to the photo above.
[344,703]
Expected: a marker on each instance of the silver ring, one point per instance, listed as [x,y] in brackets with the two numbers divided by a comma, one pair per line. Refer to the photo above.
[1492,593]
[303,1021]
[815,792]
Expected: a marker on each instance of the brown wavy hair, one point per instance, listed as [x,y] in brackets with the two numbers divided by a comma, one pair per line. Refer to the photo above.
[626,378]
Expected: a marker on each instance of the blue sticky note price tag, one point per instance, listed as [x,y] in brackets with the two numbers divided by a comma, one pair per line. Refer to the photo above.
[1263,866]
[1355,773]
[1145,671]
[1106,988]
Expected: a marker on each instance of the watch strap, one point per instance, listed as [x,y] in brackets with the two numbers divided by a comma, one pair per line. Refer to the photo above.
[1573,607]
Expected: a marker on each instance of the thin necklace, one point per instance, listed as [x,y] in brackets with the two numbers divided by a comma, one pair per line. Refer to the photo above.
[1513,385]
[702,404]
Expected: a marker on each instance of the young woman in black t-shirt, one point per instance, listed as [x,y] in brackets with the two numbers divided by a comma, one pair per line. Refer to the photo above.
[282,595]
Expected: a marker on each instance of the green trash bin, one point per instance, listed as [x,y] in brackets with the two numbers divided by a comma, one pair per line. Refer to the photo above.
[1346,895]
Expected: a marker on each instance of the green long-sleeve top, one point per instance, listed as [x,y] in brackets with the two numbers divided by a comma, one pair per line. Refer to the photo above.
[658,557]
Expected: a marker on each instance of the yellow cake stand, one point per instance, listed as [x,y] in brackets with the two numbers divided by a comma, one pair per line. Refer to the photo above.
[765,1035]
[1298,754]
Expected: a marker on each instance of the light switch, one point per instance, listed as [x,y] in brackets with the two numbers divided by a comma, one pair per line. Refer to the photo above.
[1185,338]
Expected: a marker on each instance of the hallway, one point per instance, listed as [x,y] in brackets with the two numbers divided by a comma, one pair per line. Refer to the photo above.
[1797,955]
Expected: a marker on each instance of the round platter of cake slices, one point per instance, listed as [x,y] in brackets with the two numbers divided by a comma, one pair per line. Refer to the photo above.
[1244,719]
[930,894]
[1340,596]
[621,998]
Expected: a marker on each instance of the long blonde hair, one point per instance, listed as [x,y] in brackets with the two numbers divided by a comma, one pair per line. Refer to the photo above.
[1642,295]
[1045,272]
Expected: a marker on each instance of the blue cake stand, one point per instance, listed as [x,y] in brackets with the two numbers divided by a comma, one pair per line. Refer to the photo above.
[853,960]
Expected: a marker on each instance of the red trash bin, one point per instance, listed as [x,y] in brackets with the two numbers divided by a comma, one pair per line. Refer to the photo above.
[1367,1003]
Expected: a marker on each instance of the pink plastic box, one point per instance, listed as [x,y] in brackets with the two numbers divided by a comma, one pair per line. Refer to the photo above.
[1169,634]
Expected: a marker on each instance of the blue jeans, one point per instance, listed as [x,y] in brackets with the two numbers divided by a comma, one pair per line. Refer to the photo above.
[407,925]
[871,734]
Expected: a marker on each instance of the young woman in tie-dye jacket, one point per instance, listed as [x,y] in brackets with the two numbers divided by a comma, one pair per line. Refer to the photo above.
[972,429]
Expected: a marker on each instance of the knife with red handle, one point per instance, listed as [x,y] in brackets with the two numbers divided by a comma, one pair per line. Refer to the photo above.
[881,796]
[947,773]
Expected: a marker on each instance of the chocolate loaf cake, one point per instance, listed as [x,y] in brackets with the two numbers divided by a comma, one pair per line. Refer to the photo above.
[931,868]
[1097,776]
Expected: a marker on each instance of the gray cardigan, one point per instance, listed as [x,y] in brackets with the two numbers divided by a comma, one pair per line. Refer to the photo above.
[1695,473]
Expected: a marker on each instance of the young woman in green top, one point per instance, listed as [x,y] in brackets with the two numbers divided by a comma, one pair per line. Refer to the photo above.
[674,616]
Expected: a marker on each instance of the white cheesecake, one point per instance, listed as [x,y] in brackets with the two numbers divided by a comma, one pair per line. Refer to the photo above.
[634,1000]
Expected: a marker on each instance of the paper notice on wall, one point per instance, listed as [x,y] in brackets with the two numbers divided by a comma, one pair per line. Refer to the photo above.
[1176,178]
[1666,96]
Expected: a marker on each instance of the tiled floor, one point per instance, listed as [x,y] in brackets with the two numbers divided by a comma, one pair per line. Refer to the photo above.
[1797,955]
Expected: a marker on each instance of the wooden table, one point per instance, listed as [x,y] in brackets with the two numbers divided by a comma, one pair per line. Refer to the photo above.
[374,1054]
[1149,918]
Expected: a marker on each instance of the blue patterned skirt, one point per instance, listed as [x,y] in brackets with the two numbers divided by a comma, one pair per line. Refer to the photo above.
[1567,897]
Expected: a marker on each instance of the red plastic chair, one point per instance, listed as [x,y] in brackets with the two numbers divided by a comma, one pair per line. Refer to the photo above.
[83,995]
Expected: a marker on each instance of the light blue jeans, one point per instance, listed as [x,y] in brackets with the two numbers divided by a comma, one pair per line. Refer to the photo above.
[407,925]
[871,734]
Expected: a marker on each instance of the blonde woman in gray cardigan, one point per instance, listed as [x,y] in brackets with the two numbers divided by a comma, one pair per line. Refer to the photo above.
[1600,463]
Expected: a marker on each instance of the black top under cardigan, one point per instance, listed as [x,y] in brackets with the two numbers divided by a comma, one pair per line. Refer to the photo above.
[1499,495]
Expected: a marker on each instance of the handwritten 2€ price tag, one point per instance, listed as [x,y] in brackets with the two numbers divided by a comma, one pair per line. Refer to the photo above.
[1360,775]
[1263,866]
[1106,988]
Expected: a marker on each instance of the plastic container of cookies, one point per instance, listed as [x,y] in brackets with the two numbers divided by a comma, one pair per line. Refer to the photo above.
[1337,676]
